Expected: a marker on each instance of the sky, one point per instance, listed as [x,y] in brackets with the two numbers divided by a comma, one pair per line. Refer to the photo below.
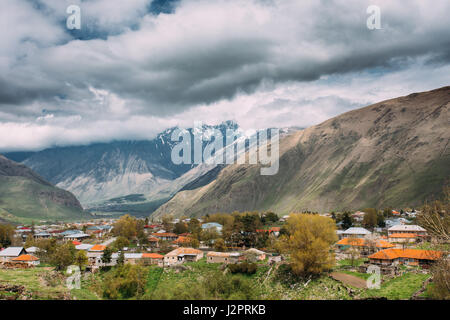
[137,67]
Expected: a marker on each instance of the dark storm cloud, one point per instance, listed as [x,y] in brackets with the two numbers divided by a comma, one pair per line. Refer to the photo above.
[164,58]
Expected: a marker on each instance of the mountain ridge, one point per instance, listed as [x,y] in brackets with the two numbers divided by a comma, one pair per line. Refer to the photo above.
[391,153]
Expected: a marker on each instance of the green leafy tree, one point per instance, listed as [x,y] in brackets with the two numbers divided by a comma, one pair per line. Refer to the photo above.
[6,235]
[126,227]
[219,245]
[120,243]
[63,256]
[180,227]
[370,218]
[81,259]
[347,220]
[309,243]
[107,255]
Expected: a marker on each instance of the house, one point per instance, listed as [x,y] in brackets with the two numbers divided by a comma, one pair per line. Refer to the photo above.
[153,242]
[181,255]
[212,225]
[27,259]
[182,241]
[10,253]
[413,229]
[153,258]
[133,258]
[358,216]
[222,257]
[403,237]
[165,236]
[95,254]
[355,232]
[84,246]
[33,250]
[42,235]
[260,255]
[365,246]
[413,257]
[76,236]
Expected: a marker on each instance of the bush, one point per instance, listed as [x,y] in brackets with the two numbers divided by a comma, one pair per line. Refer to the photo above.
[244,267]
[124,282]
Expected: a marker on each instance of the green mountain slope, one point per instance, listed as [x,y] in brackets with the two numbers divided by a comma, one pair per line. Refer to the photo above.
[26,197]
[393,153]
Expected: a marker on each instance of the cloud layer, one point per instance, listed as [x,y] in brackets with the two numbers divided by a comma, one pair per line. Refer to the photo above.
[133,70]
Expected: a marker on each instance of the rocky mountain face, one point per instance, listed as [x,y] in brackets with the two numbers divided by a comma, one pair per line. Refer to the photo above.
[25,196]
[111,174]
[393,153]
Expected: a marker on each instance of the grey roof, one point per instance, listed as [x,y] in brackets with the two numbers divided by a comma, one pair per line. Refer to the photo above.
[84,246]
[356,230]
[11,252]
[404,227]
[77,235]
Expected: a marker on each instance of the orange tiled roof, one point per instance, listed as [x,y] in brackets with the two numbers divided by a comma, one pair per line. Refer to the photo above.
[362,242]
[275,229]
[391,254]
[25,257]
[179,251]
[165,234]
[153,239]
[403,235]
[76,243]
[152,256]
[182,240]
[98,247]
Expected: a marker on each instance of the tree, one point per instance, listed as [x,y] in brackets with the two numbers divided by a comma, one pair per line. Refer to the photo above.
[107,255]
[180,228]
[120,243]
[6,235]
[435,218]
[195,243]
[194,226]
[219,245]
[125,282]
[347,220]
[121,258]
[63,256]
[81,259]
[167,222]
[441,280]
[125,227]
[309,242]
[269,217]
[370,218]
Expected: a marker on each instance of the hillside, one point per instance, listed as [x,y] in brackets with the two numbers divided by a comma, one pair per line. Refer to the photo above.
[25,196]
[393,153]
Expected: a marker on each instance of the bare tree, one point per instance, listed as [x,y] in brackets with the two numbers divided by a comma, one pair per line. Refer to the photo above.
[435,218]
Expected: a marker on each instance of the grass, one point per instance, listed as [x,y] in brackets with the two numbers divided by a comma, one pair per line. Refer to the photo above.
[348,262]
[32,280]
[364,276]
[399,288]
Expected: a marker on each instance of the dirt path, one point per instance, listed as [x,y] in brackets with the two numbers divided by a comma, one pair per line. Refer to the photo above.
[349,279]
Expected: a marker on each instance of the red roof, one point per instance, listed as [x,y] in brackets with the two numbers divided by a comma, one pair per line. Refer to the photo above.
[76,243]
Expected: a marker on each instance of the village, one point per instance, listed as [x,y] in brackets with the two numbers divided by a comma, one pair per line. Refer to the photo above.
[394,244]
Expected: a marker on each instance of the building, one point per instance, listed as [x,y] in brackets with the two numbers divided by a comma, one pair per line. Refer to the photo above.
[403,237]
[412,257]
[181,255]
[260,255]
[10,253]
[95,254]
[212,225]
[413,229]
[76,236]
[27,259]
[222,257]
[165,236]
[365,246]
[42,235]
[182,241]
[153,258]
[355,232]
